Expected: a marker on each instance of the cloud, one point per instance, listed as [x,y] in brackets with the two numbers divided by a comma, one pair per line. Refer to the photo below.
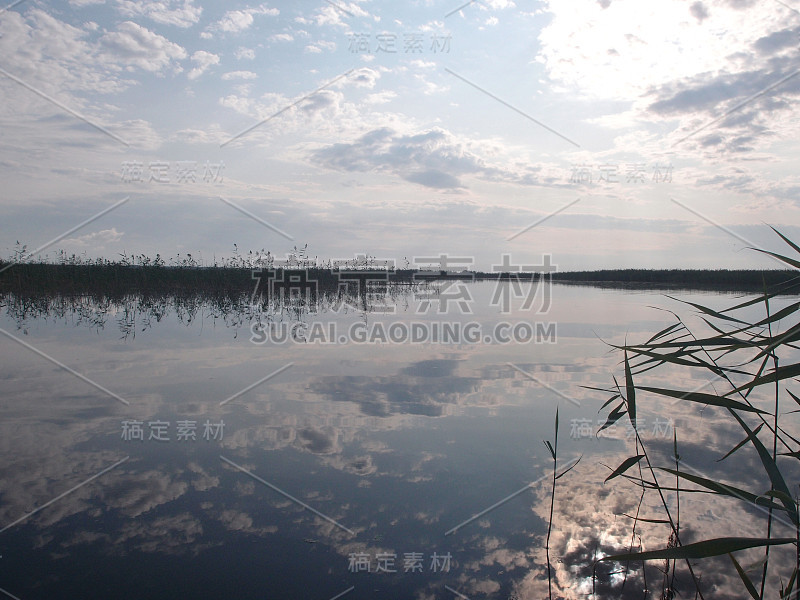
[433,158]
[318,440]
[242,53]
[364,77]
[726,62]
[236,520]
[575,44]
[239,75]
[211,135]
[56,58]
[235,21]
[699,11]
[381,97]
[137,494]
[776,41]
[752,116]
[140,47]
[434,179]
[333,15]
[500,4]
[320,46]
[320,101]
[203,60]
[709,94]
[181,13]
[281,37]
[175,535]
[423,388]
[96,239]
[325,110]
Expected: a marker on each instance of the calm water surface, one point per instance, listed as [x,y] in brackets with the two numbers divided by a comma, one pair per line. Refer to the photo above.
[360,468]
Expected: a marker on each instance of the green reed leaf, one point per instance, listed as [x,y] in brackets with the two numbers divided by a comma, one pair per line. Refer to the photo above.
[704,549]
[626,464]
[703,398]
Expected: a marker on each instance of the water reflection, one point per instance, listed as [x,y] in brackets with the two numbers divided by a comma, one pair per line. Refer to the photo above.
[398,443]
[139,311]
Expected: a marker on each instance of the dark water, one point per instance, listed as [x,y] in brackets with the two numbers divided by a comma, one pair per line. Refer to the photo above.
[354,467]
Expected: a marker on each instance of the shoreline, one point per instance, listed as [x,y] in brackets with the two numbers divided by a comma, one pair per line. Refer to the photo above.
[115,278]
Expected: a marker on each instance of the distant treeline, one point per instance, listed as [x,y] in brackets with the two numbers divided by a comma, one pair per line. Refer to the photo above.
[113,279]
[743,279]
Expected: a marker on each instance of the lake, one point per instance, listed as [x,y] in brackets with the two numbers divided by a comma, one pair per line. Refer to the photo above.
[185,449]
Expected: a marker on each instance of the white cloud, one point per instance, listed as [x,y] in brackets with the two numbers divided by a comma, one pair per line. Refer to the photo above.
[240,104]
[332,15]
[281,37]
[140,47]
[96,239]
[210,135]
[243,52]
[433,158]
[181,13]
[500,4]
[429,87]
[364,77]
[203,60]
[139,133]
[381,97]
[320,46]
[235,21]
[680,66]
[239,75]
[56,58]
[639,45]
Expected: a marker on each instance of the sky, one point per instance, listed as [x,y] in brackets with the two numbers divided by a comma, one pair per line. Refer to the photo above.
[604,133]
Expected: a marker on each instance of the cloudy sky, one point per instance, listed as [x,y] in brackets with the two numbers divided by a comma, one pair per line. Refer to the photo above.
[608,133]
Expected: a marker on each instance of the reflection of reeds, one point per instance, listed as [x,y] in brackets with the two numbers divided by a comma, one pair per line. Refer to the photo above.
[737,349]
[142,309]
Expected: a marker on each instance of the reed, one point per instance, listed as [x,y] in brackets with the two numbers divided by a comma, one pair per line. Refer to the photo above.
[753,360]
